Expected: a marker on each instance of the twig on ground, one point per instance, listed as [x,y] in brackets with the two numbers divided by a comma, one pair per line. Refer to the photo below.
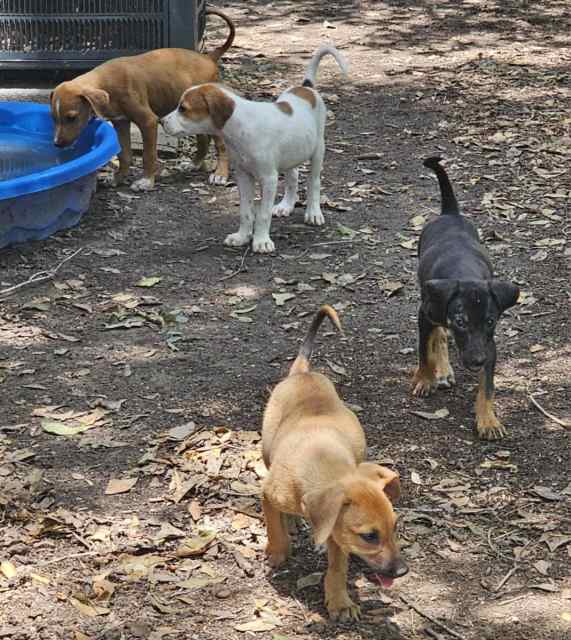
[423,613]
[503,581]
[239,269]
[323,244]
[433,634]
[559,421]
[71,556]
[40,276]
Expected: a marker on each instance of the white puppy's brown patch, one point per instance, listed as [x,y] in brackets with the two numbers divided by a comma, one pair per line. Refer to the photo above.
[305,94]
[284,107]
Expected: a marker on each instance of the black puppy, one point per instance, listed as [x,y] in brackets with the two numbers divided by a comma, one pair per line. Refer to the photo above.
[458,293]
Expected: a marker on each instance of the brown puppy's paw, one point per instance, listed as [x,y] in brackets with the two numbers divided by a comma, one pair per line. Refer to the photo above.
[276,557]
[341,607]
[423,383]
[143,184]
[446,381]
[217,179]
[490,428]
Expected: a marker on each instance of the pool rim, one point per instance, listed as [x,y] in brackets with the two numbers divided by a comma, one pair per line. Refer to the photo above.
[104,146]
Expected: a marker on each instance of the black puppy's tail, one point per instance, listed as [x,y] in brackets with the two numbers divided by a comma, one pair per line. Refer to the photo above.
[301,363]
[449,202]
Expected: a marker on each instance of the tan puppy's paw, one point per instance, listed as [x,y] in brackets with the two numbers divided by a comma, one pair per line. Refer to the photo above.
[276,557]
[143,184]
[424,383]
[341,607]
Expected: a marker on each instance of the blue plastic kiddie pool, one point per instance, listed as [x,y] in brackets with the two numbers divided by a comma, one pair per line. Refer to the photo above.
[42,188]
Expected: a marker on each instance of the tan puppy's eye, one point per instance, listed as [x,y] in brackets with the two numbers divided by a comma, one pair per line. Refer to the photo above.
[371,537]
[71,117]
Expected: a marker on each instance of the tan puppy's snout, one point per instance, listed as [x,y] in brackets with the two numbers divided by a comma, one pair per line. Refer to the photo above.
[394,568]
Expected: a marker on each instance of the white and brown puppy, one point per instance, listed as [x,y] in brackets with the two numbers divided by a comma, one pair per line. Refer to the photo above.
[140,89]
[263,139]
[314,448]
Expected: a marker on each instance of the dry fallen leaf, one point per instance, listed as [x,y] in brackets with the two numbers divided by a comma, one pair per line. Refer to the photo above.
[120,485]
[148,282]
[281,298]
[439,413]
[310,580]
[195,545]
[8,569]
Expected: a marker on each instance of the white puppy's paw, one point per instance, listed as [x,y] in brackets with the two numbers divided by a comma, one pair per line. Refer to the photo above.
[216,179]
[314,217]
[282,210]
[236,240]
[263,244]
[143,184]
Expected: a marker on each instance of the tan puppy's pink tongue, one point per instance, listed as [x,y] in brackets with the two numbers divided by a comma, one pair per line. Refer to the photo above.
[385,582]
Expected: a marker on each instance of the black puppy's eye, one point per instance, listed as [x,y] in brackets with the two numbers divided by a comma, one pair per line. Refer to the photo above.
[372,537]
[490,322]
[460,322]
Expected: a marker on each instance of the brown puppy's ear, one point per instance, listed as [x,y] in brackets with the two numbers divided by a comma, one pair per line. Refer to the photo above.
[220,106]
[98,100]
[322,509]
[504,293]
[389,479]
[436,295]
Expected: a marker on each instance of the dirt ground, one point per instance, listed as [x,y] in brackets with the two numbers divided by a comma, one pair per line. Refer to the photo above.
[157,346]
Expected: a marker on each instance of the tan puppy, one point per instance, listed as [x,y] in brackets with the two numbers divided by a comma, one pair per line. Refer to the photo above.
[140,89]
[314,447]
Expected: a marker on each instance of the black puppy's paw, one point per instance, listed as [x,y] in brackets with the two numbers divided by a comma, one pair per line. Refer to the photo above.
[424,383]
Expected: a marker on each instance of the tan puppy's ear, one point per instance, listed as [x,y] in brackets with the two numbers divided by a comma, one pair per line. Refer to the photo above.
[390,480]
[98,100]
[322,509]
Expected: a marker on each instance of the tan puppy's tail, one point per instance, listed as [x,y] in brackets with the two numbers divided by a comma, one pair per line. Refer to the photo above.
[301,363]
[310,77]
[220,51]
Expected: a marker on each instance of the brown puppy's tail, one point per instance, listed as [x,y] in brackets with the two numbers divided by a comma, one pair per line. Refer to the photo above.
[220,51]
[301,363]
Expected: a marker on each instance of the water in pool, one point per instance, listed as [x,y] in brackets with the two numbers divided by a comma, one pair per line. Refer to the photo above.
[21,155]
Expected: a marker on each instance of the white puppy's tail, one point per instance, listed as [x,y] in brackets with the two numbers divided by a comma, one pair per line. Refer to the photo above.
[311,72]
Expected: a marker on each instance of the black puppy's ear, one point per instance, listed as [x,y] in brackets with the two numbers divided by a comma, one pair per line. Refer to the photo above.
[436,295]
[505,294]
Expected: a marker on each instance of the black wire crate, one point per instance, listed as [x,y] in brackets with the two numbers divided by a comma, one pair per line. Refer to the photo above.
[62,34]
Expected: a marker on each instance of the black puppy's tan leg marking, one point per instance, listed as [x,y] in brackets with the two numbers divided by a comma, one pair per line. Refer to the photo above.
[443,371]
[487,424]
[278,539]
[424,380]
[337,600]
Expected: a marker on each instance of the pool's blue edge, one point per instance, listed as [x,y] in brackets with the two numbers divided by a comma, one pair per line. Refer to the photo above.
[104,145]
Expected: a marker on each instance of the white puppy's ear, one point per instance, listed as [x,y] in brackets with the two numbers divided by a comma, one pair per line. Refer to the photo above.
[220,105]
[98,100]
[322,509]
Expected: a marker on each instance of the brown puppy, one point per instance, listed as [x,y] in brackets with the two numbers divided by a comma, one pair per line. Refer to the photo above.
[314,447]
[140,89]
